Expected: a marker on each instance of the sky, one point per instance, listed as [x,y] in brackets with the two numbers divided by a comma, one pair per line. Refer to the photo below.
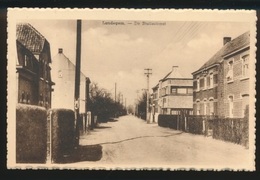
[119,53]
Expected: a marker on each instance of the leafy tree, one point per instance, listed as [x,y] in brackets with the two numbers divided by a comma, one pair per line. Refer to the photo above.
[102,104]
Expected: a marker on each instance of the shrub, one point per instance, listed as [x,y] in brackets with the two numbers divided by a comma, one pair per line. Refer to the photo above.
[63,134]
[31,134]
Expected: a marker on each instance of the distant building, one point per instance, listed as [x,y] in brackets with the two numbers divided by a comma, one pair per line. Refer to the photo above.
[173,94]
[63,74]
[34,82]
[221,84]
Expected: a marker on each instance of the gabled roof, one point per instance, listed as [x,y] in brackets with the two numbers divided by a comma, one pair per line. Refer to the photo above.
[27,35]
[174,74]
[235,44]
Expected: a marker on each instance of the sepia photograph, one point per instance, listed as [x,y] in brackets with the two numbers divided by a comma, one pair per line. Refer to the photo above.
[131,89]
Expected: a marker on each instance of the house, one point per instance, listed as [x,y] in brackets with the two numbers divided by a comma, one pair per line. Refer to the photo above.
[34,82]
[173,94]
[63,74]
[220,86]
[236,61]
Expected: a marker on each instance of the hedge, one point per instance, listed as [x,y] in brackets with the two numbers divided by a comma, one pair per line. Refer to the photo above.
[31,134]
[231,129]
[165,120]
[63,134]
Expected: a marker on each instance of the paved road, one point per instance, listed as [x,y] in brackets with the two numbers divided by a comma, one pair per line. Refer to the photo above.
[131,142]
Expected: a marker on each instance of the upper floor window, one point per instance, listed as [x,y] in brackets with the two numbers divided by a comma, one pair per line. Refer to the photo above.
[245,66]
[211,80]
[173,90]
[230,71]
[205,82]
[198,84]
[201,83]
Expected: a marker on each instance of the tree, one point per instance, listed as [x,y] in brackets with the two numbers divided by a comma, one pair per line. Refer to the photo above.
[142,106]
[102,104]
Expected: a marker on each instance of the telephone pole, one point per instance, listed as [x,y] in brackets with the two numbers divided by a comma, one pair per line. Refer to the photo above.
[148,72]
[115,92]
[77,81]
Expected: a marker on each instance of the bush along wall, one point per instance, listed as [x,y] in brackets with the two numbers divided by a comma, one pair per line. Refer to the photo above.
[62,134]
[31,134]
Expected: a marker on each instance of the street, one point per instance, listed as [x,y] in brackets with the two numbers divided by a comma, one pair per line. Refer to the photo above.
[131,142]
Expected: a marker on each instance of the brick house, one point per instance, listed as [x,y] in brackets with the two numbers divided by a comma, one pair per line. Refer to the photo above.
[236,61]
[173,94]
[216,85]
[34,82]
[63,74]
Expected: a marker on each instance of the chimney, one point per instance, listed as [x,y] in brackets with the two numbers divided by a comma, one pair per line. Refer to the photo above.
[60,50]
[226,40]
[174,68]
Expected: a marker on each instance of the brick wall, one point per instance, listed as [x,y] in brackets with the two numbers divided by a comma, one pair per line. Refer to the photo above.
[236,88]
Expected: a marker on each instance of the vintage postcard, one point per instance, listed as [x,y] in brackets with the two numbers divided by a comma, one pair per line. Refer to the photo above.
[131,89]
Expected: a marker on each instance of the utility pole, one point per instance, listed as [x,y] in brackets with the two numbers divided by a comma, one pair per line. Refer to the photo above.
[147,73]
[115,92]
[77,81]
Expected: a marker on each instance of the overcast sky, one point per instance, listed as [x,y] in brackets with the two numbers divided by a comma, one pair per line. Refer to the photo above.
[119,54]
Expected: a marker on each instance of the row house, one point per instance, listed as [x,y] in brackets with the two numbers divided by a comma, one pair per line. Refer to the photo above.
[34,83]
[173,94]
[63,74]
[221,85]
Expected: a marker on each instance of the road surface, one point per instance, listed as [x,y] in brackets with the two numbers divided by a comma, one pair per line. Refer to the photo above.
[131,142]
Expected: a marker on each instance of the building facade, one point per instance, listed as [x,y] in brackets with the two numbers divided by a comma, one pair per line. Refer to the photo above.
[173,94]
[34,83]
[63,74]
[220,86]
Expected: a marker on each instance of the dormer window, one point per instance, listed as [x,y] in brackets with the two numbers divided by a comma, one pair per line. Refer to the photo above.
[230,71]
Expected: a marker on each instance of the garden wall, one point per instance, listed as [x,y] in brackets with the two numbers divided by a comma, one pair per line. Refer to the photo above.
[31,134]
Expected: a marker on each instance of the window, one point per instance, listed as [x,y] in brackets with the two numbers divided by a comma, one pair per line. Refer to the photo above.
[211,107]
[231,99]
[230,71]
[205,82]
[173,90]
[182,90]
[215,78]
[26,59]
[245,100]
[211,80]
[198,84]
[174,112]
[205,107]
[198,107]
[201,83]
[189,90]
[245,65]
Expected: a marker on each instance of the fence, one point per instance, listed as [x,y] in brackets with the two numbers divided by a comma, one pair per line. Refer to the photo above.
[228,129]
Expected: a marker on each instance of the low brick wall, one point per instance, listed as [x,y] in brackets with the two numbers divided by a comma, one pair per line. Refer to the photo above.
[62,134]
[31,134]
